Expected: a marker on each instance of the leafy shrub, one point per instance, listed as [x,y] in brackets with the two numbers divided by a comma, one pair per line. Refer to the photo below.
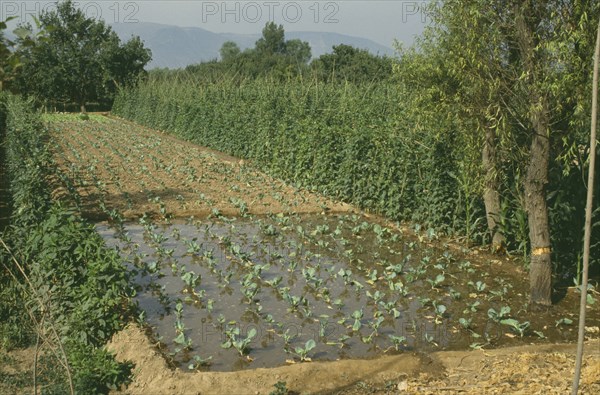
[74,284]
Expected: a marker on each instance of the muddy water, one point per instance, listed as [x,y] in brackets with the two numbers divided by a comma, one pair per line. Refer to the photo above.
[340,280]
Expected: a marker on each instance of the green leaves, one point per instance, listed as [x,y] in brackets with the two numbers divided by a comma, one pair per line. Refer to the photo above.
[302,352]
[237,341]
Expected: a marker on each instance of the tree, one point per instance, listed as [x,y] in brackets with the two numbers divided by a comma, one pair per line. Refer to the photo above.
[82,60]
[513,64]
[298,50]
[229,51]
[272,40]
[10,62]
[352,64]
[7,62]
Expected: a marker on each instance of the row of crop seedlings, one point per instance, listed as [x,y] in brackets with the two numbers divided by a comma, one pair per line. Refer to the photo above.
[63,287]
[349,142]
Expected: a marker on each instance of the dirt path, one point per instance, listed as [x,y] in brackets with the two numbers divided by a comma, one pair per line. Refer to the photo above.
[543,369]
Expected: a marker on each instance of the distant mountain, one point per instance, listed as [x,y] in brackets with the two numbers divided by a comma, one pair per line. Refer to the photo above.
[174,46]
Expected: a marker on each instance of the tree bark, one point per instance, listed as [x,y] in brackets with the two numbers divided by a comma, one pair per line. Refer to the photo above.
[540,272]
[491,196]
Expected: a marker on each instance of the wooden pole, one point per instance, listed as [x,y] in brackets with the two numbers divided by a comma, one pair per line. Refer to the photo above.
[588,220]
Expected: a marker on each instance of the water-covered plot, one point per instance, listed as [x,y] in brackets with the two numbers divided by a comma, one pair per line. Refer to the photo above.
[257,292]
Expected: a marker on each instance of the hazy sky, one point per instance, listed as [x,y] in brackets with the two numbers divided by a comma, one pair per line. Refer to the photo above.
[381,21]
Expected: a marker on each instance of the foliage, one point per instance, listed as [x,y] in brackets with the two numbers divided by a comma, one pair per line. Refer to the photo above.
[347,63]
[71,282]
[349,142]
[378,146]
[81,60]
[469,73]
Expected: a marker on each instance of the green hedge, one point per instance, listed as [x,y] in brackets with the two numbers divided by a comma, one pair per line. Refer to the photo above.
[80,281]
[349,142]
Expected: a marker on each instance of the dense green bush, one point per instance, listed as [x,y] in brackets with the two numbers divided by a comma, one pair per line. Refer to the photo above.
[74,284]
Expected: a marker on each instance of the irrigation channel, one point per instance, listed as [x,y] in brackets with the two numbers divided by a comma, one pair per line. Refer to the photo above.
[235,269]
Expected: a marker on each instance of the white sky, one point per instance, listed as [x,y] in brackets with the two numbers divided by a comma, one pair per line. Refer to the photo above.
[380,21]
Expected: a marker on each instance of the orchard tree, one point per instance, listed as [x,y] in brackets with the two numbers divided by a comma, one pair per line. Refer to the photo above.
[81,61]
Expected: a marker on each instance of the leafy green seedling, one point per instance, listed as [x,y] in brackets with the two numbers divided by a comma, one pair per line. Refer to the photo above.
[184,341]
[518,327]
[302,352]
[437,281]
[479,286]
[498,316]
[564,321]
[465,322]
[357,315]
[238,342]
[345,274]
[398,341]
[430,339]
[198,361]
[190,278]
[472,307]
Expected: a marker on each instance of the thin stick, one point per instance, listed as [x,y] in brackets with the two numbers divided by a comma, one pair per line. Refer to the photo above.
[35,357]
[588,219]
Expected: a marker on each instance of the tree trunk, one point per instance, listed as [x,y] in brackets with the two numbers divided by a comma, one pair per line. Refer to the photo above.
[491,196]
[540,272]
[82,108]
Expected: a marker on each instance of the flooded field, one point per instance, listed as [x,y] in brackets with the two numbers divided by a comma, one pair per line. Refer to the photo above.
[232,293]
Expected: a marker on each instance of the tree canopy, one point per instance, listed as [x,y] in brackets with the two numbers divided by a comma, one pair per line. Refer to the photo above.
[510,80]
[81,61]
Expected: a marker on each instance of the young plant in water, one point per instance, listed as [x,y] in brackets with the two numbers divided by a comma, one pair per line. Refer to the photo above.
[235,340]
[192,246]
[184,341]
[430,339]
[376,296]
[440,310]
[287,337]
[398,341]
[302,352]
[465,322]
[198,361]
[357,315]
[190,278]
[346,274]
